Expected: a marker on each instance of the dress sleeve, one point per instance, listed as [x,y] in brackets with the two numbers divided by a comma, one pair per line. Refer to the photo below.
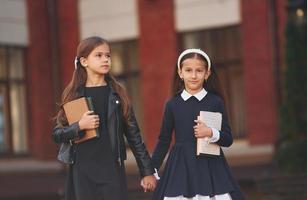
[165,137]
[225,133]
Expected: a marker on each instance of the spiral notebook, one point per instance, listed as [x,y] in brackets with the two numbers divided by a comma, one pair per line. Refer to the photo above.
[74,111]
[213,120]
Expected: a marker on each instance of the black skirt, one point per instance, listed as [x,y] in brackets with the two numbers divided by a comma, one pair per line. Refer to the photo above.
[79,186]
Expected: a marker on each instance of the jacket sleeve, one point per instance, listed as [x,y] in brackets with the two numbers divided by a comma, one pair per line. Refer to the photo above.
[137,146]
[64,134]
[225,134]
[165,137]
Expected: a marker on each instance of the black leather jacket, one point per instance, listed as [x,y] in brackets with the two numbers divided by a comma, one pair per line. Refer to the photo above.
[117,128]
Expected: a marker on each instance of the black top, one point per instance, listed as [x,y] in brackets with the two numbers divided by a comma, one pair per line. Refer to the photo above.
[95,156]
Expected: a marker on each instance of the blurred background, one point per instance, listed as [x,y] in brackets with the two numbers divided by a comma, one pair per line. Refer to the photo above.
[258,47]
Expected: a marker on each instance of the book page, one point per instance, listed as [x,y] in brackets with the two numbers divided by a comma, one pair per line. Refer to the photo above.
[212,120]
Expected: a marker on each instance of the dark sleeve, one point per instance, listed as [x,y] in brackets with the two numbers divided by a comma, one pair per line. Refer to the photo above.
[137,146]
[225,134]
[64,134]
[165,137]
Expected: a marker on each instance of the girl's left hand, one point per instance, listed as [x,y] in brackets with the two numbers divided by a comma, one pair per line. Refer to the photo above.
[149,183]
[202,130]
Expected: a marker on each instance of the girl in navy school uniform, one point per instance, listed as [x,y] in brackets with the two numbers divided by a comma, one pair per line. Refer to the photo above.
[187,176]
[97,170]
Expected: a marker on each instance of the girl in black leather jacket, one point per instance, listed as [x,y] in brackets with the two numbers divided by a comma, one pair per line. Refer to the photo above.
[96,166]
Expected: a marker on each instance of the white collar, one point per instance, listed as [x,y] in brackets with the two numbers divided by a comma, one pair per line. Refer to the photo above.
[199,95]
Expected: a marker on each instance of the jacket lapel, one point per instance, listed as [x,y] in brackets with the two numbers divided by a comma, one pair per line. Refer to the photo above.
[113,102]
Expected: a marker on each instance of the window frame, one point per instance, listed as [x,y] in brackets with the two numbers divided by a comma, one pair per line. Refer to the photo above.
[223,64]
[7,83]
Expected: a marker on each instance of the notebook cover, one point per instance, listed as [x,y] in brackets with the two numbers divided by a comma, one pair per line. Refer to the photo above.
[74,111]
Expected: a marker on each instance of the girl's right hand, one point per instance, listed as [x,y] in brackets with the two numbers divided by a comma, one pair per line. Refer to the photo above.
[89,121]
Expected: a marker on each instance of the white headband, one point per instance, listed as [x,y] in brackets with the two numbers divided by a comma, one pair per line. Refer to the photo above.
[198,51]
[76,62]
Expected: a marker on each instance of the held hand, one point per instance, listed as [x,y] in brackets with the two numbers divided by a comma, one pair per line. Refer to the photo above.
[201,130]
[89,121]
[149,183]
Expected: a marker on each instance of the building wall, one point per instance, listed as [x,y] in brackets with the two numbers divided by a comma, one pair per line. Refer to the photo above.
[114,20]
[204,14]
[50,30]
[53,37]
[13,23]
[119,20]
[40,93]
[169,17]
[259,60]
[157,55]
[154,24]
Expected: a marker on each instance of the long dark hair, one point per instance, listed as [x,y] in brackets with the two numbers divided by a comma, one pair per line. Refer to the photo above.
[212,84]
[79,78]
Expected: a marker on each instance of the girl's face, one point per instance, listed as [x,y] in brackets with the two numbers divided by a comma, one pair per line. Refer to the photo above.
[194,73]
[98,62]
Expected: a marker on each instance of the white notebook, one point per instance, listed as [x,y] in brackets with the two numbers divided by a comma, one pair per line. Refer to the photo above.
[212,120]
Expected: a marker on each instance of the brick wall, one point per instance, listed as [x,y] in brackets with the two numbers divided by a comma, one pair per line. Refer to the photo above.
[40,91]
[158,54]
[68,37]
[53,36]
[259,60]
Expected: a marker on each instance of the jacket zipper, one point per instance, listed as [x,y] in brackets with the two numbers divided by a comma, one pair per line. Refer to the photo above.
[118,142]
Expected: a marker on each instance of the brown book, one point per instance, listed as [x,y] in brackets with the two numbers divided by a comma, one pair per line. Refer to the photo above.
[74,111]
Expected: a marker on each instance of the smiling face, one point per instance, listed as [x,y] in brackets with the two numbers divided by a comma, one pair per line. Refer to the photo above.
[193,72]
[98,62]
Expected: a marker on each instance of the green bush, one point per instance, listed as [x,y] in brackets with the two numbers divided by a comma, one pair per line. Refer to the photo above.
[291,154]
[291,157]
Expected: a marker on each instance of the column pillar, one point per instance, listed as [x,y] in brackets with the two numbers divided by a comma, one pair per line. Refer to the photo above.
[158,52]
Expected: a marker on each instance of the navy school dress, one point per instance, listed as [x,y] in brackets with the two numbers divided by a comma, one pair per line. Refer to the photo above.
[96,174]
[185,173]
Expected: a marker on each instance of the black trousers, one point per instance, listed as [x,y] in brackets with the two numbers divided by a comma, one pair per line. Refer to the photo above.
[87,189]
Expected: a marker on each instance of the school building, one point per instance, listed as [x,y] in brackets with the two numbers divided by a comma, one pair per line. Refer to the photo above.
[38,40]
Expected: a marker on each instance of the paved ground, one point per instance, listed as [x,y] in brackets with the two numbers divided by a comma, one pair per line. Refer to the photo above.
[49,186]
[40,180]
[28,179]
[37,180]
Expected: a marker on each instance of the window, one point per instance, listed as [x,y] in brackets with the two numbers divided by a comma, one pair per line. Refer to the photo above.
[125,67]
[224,48]
[13,121]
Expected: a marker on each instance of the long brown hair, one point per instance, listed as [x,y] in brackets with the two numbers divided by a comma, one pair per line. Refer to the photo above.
[79,78]
[212,84]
